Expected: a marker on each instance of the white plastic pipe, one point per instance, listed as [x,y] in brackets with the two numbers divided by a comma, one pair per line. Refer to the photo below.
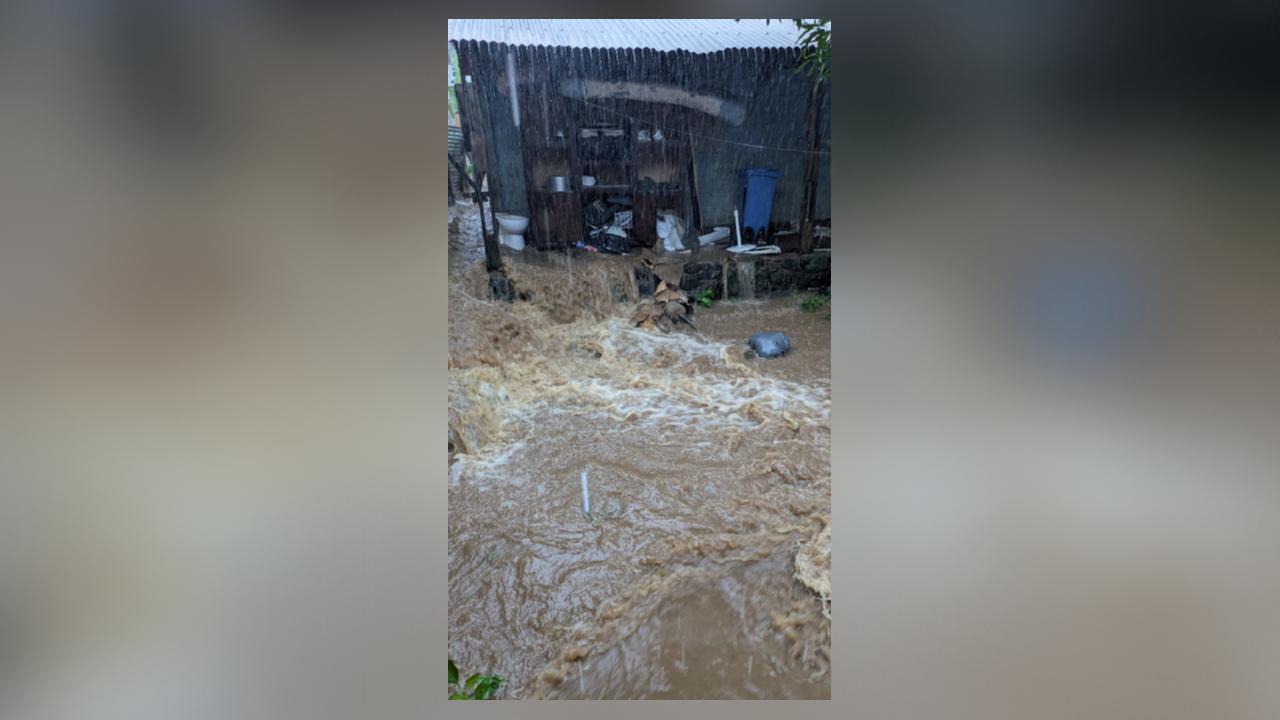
[586,497]
[737,226]
[511,83]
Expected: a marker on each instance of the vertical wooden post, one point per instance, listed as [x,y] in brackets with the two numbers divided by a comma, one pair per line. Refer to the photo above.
[692,169]
[492,251]
[577,59]
[812,141]
[469,65]
[527,82]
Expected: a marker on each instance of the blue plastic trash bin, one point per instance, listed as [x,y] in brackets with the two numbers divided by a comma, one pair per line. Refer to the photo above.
[757,196]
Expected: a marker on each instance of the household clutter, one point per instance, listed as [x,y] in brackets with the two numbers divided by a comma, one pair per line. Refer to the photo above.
[608,221]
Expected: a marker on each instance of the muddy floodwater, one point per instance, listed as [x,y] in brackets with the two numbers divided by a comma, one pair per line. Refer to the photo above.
[702,569]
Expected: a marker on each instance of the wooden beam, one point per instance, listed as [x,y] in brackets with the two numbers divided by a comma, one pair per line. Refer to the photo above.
[492,252]
[525,81]
[475,134]
[692,165]
[812,141]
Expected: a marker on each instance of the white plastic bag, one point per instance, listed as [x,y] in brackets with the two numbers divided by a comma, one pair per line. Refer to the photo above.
[669,231]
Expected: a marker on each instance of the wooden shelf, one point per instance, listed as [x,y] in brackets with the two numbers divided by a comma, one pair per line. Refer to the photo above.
[658,147]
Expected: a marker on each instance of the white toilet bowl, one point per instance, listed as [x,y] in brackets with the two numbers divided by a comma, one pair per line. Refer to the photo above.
[511,230]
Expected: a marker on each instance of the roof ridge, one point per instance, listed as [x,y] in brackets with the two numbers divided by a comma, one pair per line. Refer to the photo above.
[694,35]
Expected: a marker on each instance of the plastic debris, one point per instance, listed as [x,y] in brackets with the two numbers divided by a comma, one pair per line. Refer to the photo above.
[670,231]
[716,235]
[770,344]
[755,249]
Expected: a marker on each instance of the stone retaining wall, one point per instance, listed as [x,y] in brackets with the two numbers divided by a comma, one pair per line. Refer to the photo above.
[774,275]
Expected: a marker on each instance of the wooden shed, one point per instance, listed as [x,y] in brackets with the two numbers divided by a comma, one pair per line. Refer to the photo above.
[664,115]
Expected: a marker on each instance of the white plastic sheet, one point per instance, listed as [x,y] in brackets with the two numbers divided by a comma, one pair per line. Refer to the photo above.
[669,230]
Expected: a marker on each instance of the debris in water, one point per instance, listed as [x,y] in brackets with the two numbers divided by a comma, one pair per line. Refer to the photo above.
[666,293]
[668,306]
[813,567]
[575,653]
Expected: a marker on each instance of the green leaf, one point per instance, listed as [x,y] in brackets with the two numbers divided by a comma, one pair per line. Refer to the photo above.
[459,696]
[453,673]
[471,681]
[488,686]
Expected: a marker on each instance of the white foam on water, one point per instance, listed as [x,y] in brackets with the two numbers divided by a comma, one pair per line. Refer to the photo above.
[480,465]
[643,378]
[698,402]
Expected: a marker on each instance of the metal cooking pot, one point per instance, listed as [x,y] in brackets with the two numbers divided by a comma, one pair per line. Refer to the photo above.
[559,183]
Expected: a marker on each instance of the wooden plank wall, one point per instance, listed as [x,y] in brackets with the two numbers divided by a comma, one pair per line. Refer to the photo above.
[763,81]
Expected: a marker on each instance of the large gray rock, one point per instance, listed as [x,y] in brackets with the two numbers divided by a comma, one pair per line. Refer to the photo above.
[770,344]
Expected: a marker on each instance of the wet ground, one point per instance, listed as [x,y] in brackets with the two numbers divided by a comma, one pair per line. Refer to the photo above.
[709,483]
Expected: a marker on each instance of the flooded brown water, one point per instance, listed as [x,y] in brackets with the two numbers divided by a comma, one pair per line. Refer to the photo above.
[709,481]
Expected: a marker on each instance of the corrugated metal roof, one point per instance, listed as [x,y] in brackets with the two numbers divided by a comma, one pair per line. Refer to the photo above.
[699,36]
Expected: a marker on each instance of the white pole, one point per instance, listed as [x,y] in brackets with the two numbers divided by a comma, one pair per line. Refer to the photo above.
[737,226]
[586,498]
[511,84]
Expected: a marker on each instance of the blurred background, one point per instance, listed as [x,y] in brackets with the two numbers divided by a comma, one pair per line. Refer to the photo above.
[222,315]
[1058,493]
[217,360]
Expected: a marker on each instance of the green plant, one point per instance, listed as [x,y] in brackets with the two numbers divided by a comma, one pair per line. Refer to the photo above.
[815,46]
[476,687]
[705,298]
[814,303]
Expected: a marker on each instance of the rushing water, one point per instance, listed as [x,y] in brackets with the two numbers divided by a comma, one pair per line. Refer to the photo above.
[709,480]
